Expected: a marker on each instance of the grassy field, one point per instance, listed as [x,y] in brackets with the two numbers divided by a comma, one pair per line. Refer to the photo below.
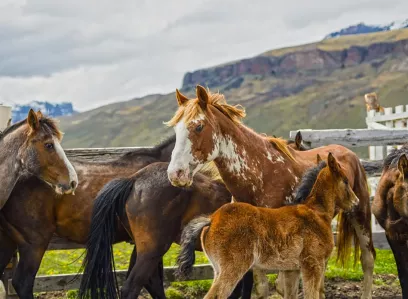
[69,261]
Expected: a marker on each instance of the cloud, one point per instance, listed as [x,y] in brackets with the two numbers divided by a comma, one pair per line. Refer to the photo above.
[97,52]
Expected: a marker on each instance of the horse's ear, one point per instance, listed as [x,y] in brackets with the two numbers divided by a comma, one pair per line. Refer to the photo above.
[202,96]
[32,120]
[319,159]
[181,99]
[298,139]
[333,165]
[403,165]
[39,114]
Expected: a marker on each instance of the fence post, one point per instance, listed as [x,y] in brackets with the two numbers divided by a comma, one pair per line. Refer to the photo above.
[389,124]
[5,116]
[400,123]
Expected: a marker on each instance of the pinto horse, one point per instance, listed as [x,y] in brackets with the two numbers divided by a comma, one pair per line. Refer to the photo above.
[33,146]
[390,208]
[34,213]
[239,236]
[262,170]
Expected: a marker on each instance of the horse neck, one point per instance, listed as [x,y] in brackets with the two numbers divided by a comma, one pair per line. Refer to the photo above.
[246,161]
[322,199]
[165,152]
[10,165]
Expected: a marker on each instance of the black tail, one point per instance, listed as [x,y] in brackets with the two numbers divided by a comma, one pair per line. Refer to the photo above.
[99,279]
[186,257]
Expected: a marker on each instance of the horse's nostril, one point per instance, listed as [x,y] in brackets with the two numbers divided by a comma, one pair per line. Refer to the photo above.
[73,184]
[179,172]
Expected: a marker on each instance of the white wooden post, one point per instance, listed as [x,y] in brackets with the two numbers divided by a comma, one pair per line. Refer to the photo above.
[5,116]
[389,124]
[400,123]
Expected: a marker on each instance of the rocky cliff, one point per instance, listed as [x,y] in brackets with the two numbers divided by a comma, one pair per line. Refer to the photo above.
[309,61]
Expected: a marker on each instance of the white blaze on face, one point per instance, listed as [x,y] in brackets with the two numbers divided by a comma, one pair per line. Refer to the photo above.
[73,177]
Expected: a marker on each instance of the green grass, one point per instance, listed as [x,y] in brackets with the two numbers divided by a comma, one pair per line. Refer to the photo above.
[69,261]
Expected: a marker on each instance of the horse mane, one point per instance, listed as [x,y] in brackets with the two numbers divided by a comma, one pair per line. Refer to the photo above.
[47,125]
[281,145]
[306,184]
[391,160]
[192,109]
[153,151]
[210,170]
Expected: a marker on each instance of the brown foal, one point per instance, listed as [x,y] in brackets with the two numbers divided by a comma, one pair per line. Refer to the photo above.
[240,236]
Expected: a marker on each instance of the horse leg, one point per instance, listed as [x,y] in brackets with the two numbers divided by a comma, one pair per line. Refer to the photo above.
[321,290]
[363,231]
[291,284]
[261,283]
[23,278]
[225,281]
[132,261]
[400,251]
[7,249]
[155,285]
[312,271]
[244,287]
[145,266]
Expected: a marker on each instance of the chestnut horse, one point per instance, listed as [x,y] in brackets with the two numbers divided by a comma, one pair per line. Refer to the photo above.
[34,213]
[390,208]
[262,170]
[239,236]
[33,146]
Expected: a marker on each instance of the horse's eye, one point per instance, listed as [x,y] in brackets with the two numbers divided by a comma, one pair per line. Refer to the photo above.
[49,146]
[199,128]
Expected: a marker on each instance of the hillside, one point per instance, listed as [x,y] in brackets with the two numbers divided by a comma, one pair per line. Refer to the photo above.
[313,86]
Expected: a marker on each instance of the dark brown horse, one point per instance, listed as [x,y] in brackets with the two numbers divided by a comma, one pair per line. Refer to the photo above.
[240,236]
[262,170]
[390,208]
[34,212]
[154,212]
[33,146]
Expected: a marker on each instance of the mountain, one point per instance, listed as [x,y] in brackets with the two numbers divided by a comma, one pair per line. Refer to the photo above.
[316,86]
[19,112]
[362,28]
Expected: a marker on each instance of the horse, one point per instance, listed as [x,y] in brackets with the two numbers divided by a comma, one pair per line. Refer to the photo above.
[390,208]
[33,146]
[262,170]
[155,213]
[239,236]
[34,212]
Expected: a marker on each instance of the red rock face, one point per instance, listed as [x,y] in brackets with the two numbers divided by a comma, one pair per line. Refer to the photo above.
[310,60]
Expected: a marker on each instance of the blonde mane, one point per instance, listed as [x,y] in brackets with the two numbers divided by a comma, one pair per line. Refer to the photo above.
[210,170]
[192,109]
[281,145]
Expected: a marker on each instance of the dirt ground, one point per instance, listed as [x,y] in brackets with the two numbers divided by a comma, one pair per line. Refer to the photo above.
[387,287]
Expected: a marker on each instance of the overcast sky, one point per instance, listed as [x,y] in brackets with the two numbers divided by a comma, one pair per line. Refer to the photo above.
[96,52]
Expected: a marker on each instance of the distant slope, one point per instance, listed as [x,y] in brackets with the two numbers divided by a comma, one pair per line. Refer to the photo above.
[304,87]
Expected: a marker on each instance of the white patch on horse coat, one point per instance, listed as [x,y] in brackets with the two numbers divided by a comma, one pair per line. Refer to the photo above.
[73,177]
[228,151]
[269,156]
[181,157]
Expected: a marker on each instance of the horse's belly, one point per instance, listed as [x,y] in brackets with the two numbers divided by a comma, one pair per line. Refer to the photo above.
[281,256]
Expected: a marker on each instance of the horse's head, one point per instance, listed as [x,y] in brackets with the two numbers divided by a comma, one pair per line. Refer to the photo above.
[198,133]
[345,197]
[401,187]
[42,155]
